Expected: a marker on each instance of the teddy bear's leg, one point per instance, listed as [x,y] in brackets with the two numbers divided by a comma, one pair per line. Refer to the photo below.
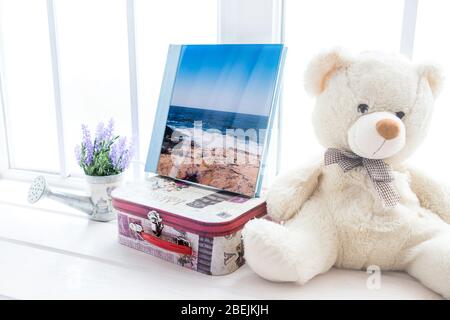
[297,251]
[430,263]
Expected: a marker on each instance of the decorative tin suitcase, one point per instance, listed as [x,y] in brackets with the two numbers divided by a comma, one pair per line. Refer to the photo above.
[189,225]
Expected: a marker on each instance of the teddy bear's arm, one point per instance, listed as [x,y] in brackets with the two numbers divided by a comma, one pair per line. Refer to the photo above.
[290,190]
[432,195]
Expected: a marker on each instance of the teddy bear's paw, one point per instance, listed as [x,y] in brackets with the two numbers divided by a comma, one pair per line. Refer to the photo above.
[431,264]
[266,253]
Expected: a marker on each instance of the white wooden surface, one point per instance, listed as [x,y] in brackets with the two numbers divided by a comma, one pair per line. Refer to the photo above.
[49,251]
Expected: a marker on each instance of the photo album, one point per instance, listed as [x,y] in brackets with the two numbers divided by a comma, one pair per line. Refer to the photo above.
[214,116]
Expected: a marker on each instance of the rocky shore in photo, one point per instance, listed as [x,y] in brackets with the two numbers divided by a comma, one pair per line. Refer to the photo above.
[210,167]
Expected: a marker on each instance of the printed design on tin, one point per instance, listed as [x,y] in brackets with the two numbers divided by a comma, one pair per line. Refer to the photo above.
[238,253]
[210,200]
[123,224]
[167,185]
[185,260]
[224,214]
[205,249]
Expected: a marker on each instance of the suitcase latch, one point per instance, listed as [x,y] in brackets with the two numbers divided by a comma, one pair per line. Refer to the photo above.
[156,222]
[135,227]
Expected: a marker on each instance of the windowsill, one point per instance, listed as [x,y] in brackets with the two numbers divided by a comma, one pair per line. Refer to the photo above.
[52,251]
[25,175]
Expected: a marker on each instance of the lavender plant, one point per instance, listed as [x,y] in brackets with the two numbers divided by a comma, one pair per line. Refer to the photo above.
[108,154]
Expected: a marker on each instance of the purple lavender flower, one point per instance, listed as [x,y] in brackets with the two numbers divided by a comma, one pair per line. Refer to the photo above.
[108,133]
[107,154]
[114,155]
[120,155]
[99,136]
[126,157]
[121,148]
[104,134]
[88,148]
[78,153]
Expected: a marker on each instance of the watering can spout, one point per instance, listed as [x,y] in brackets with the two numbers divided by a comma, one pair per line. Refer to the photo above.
[39,189]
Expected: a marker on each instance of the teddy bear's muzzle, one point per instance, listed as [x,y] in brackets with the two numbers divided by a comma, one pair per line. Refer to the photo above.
[378,135]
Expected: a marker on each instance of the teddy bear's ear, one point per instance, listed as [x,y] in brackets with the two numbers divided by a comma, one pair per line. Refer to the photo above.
[435,77]
[322,67]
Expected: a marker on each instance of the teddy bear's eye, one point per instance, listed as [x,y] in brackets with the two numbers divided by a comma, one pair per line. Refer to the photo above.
[363,108]
[400,114]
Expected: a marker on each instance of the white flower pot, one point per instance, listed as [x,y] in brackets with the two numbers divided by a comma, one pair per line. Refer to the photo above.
[99,189]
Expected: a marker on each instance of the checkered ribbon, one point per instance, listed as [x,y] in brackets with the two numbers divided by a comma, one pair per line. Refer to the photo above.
[379,172]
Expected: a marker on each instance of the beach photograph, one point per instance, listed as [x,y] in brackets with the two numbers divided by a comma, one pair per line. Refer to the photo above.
[217,122]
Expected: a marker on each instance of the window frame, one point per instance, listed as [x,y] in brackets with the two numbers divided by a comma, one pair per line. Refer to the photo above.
[65,178]
[4,147]
[233,26]
[410,8]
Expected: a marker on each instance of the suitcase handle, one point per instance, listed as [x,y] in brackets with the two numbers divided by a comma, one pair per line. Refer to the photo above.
[161,243]
[167,245]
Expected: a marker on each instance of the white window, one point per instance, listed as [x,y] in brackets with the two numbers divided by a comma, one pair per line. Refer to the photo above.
[27,86]
[64,63]
[415,28]
[94,77]
[314,26]
[431,45]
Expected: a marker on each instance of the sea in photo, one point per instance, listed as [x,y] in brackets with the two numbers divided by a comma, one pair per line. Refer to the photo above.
[180,117]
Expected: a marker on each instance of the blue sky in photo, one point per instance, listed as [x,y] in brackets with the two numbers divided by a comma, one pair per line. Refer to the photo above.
[233,78]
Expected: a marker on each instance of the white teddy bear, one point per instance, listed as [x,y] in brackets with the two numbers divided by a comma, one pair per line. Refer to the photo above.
[360,206]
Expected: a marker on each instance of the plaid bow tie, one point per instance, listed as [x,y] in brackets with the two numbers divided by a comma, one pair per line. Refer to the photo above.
[379,172]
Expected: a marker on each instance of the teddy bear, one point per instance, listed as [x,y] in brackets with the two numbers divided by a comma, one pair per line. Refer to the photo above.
[360,206]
